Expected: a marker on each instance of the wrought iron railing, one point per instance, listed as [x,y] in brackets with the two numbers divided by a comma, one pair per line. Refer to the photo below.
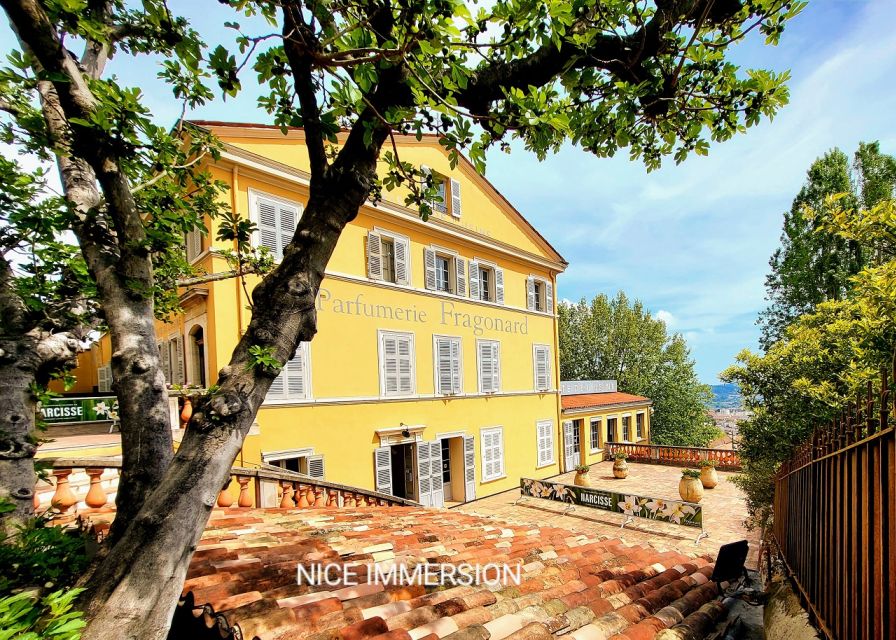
[835,520]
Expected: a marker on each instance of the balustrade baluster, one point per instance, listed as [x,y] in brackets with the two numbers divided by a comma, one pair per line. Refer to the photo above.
[245,499]
[63,499]
[224,498]
[96,496]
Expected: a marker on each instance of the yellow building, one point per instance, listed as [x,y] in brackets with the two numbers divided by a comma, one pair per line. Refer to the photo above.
[434,374]
[594,413]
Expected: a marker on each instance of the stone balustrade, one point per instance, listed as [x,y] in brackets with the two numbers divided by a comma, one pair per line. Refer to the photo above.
[78,484]
[725,459]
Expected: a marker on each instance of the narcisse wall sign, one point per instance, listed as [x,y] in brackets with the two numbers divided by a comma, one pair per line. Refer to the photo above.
[67,410]
[687,514]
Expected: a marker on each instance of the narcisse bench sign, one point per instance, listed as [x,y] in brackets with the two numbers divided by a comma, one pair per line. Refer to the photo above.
[686,514]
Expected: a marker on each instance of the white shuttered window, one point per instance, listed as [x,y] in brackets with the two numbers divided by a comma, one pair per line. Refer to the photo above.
[541,356]
[104,379]
[489,361]
[397,375]
[544,431]
[492,453]
[276,220]
[388,257]
[446,352]
[294,381]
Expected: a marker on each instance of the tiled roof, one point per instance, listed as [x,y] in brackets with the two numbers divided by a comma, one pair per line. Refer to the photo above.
[588,400]
[242,581]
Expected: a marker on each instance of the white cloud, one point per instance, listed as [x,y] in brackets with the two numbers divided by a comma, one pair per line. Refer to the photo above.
[666,317]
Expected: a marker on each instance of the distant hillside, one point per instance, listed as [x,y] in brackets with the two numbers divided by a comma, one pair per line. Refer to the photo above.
[726,396]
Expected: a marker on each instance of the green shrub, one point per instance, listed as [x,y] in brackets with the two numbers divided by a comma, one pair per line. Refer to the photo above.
[690,473]
[706,463]
[25,616]
[41,555]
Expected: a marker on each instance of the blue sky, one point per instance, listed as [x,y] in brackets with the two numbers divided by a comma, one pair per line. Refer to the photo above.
[691,241]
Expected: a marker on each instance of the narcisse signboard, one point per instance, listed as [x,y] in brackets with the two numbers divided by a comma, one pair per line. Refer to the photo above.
[68,410]
[687,514]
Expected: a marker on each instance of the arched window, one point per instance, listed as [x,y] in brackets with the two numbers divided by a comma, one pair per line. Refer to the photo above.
[197,355]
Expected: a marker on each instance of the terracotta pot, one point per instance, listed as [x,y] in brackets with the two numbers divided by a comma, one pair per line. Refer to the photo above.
[708,477]
[620,469]
[186,413]
[581,480]
[690,489]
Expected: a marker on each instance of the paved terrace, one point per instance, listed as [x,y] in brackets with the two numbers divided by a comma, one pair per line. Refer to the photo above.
[724,514]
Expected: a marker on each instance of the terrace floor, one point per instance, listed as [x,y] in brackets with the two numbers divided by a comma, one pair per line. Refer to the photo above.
[724,511]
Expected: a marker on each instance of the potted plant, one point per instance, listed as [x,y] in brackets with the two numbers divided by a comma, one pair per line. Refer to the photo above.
[689,487]
[620,466]
[708,476]
[581,479]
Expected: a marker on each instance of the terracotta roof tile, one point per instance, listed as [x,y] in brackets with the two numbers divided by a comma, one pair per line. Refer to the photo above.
[573,586]
[588,400]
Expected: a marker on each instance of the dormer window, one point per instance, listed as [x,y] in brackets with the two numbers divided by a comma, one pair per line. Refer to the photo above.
[447,198]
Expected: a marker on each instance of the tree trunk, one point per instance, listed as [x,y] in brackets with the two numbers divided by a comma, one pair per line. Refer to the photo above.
[132,594]
[18,367]
[25,361]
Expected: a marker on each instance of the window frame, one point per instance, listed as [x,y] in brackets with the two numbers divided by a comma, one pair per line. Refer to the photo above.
[639,428]
[594,443]
[626,418]
[254,195]
[381,333]
[607,419]
[482,448]
[538,450]
[483,268]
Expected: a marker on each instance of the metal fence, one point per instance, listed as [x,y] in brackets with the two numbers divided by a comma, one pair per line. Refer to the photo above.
[835,519]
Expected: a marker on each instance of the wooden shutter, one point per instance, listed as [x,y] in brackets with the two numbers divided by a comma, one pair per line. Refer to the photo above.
[435,461]
[165,356]
[542,366]
[447,366]
[405,364]
[287,220]
[398,364]
[390,364]
[569,449]
[295,375]
[530,293]
[488,455]
[429,263]
[402,249]
[548,297]
[474,279]
[316,466]
[469,468]
[382,465]
[460,276]
[545,435]
[424,474]
[499,285]
[193,242]
[374,256]
[488,365]
[455,198]
[177,360]
[104,379]
[268,235]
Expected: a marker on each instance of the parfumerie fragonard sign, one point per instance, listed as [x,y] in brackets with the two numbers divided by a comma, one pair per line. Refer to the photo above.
[687,514]
[64,410]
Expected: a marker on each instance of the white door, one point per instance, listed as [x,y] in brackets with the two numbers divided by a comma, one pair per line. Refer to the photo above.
[469,468]
[569,446]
